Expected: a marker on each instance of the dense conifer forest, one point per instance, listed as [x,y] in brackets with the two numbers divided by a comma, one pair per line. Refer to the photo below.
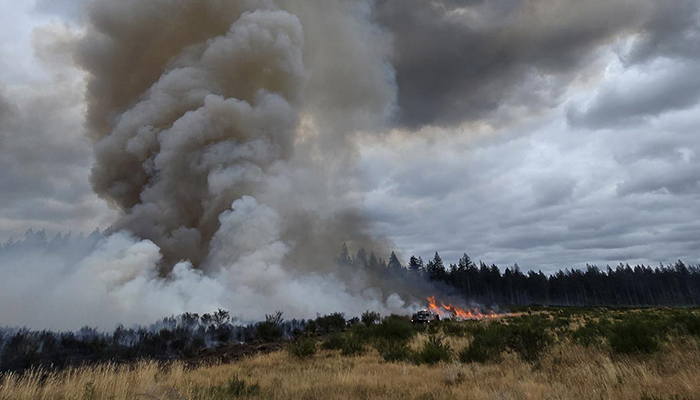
[621,285]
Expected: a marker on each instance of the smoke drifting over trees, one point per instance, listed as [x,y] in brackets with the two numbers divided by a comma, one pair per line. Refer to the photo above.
[226,134]
[223,133]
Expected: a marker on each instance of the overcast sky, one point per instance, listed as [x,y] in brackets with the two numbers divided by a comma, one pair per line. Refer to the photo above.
[553,135]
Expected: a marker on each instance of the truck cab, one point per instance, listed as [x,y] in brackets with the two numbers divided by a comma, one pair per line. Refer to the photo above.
[424,317]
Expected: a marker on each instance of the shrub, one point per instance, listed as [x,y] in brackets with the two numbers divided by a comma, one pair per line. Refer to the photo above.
[395,351]
[592,334]
[370,318]
[434,351]
[452,328]
[529,341]
[334,342]
[352,346]
[21,352]
[487,346]
[688,323]
[561,322]
[633,337]
[302,348]
[270,330]
[311,327]
[394,328]
[362,332]
[331,323]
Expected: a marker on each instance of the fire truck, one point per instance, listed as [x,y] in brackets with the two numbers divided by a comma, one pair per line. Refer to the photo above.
[424,317]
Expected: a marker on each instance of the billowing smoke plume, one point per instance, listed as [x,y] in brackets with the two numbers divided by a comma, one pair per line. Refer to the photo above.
[223,132]
[188,122]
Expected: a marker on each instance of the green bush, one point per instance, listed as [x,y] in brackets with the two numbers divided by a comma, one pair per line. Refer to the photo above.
[311,327]
[370,318]
[561,322]
[334,342]
[434,351]
[331,323]
[687,323]
[592,333]
[633,336]
[394,351]
[529,341]
[486,347]
[362,332]
[270,330]
[352,346]
[234,388]
[394,328]
[302,348]
[456,329]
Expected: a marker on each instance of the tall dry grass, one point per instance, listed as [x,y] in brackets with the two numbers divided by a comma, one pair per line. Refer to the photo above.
[567,371]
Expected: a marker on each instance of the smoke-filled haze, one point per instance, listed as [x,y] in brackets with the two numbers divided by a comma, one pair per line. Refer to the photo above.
[226,149]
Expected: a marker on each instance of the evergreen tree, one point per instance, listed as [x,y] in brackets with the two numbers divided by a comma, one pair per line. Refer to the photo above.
[361,258]
[436,269]
[373,263]
[415,265]
[344,259]
[394,263]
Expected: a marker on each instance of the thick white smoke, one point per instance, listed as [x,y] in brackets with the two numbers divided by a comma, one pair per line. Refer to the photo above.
[224,134]
[106,279]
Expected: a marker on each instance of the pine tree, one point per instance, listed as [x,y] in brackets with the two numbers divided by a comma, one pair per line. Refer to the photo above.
[373,263]
[436,269]
[394,263]
[415,265]
[344,259]
[361,258]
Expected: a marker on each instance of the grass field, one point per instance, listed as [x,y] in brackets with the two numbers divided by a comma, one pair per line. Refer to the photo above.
[575,354]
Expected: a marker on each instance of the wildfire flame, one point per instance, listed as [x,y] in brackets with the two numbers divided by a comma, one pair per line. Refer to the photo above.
[452,311]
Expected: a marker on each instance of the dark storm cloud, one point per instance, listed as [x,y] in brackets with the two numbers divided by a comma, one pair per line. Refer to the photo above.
[672,31]
[459,61]
[668,52]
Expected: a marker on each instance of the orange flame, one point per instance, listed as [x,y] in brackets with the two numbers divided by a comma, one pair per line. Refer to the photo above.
[452,311]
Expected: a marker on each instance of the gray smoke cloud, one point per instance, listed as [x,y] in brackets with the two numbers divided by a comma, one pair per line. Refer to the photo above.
[194,105]
[224,134]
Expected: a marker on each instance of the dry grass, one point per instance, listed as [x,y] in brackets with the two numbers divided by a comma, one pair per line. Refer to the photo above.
[566,372]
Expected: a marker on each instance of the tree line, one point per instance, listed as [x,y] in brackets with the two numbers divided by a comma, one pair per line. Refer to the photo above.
[676,284]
